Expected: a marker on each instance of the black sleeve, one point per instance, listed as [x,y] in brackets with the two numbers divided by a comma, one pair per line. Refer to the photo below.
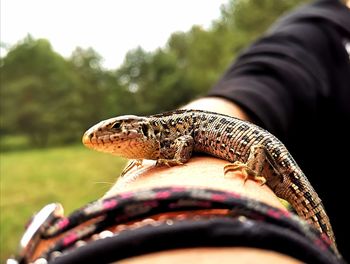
[283,79]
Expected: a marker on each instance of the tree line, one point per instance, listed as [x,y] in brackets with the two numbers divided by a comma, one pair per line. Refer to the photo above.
[52,100]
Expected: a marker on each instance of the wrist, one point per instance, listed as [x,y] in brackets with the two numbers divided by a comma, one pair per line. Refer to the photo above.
[202,171]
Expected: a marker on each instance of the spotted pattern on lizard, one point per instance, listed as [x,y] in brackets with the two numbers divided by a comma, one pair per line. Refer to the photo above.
[170,138]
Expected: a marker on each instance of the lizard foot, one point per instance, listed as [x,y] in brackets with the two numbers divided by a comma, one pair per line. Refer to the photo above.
[131,164]
[169,163]
[246,171]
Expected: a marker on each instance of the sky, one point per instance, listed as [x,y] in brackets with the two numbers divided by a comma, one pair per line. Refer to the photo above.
[110,27]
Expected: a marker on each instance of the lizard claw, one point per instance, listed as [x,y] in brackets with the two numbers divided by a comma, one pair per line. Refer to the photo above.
[246,171]
[260,179]
[130,165]
[237,165]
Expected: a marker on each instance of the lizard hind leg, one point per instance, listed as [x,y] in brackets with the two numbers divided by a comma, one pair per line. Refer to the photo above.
[254,166]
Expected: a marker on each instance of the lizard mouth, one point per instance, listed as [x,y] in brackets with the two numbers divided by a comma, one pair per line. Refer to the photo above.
[90,140]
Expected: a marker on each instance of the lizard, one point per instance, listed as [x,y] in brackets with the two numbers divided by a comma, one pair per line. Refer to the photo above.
[170,138]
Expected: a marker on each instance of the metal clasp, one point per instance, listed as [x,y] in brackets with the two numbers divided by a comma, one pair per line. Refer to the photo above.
[35,229]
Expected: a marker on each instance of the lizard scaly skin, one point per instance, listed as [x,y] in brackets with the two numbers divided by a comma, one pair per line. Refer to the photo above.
[170,138]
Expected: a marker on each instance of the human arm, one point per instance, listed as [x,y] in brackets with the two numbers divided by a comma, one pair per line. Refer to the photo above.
[201,172]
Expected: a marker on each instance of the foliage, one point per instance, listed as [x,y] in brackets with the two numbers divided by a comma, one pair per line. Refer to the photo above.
[51,99]
[36,82]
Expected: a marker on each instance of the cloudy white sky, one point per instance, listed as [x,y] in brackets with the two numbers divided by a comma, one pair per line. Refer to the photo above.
[111,27]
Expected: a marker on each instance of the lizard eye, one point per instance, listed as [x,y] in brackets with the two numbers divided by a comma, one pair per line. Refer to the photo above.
[144,129]
[116,125]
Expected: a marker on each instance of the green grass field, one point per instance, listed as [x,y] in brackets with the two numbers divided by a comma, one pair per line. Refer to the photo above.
[30,179]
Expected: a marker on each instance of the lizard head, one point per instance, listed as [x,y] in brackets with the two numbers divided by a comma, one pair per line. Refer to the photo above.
[127,136]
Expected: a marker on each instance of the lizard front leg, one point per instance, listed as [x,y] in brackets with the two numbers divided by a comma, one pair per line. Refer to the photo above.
[131,164]
[179,151]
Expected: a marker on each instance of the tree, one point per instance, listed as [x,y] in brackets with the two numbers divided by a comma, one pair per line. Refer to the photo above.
[93,84]
[35,85]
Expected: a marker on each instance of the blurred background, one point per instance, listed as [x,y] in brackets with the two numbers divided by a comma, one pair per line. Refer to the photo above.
[65,65]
